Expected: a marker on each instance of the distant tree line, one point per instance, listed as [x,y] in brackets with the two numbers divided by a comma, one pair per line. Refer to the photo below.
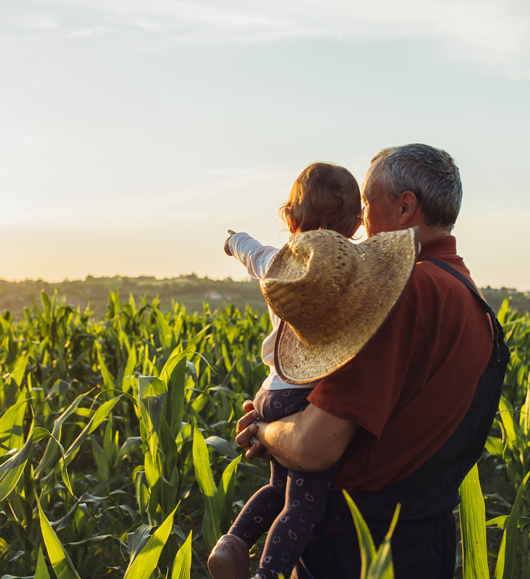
[190,290]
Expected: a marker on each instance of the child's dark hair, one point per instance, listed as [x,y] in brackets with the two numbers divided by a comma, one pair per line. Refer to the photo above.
[325,196]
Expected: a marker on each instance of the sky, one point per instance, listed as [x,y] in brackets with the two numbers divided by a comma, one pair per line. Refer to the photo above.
[134,133]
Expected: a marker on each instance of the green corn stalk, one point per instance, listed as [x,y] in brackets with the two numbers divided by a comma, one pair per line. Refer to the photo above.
[505,560]
[151,396]
[61,563]
[217,501]
[11,426]
[12,382]
[375,564]
[41,571]
[100,415]
[53,362]
[201,461]
[11,470]
[51,449]
[182,563]
[145,562]
[473,527]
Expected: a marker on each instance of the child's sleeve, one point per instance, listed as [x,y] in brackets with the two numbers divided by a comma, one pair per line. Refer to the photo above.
[254,256]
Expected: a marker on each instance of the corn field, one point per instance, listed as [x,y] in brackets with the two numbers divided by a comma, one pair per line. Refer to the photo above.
[117,453]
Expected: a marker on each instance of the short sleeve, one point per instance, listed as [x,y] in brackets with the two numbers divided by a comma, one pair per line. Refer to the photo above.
[367,389]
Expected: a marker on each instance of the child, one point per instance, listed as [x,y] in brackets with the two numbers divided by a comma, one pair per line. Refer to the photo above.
[324,196]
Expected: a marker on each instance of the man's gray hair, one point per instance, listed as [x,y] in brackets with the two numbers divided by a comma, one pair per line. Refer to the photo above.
[430,173]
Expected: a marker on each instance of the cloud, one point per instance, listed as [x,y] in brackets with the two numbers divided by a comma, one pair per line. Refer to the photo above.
[87,32]
[30,21]
[493,33]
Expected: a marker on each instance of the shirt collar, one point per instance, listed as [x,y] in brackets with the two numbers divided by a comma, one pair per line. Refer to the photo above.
[437,247]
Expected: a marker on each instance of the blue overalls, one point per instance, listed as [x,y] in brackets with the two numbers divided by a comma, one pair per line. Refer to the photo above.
[424,541]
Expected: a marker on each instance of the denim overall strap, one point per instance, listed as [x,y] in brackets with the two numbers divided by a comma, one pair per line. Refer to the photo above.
[499,347]
[427,497]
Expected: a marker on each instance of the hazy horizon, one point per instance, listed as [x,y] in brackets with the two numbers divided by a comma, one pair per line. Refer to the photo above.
[244,278]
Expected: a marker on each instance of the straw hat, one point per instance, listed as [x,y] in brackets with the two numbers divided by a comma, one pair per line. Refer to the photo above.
[332,296]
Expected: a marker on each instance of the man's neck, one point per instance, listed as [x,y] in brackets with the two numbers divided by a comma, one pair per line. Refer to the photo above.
[430,233]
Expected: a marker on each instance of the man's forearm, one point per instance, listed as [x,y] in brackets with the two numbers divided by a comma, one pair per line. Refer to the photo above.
[282,441]
[312,440]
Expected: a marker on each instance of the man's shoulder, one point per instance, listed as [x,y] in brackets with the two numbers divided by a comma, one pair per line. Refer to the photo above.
[441,300]
[430,278]
[425,285]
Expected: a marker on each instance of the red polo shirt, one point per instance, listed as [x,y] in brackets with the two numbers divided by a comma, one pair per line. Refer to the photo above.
[411,385]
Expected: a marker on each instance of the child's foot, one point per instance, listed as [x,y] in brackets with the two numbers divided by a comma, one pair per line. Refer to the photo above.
[229,559]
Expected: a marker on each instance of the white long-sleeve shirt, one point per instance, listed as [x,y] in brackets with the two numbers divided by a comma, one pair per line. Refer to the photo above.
[257,259]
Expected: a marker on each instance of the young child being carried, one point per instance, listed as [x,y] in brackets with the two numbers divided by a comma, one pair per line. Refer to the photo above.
[324,196]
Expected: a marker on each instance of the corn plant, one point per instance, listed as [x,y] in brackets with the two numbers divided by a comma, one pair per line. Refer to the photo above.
[375,564]
[116,440]
[110,431]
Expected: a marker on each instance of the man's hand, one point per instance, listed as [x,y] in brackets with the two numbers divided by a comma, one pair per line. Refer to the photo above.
[312,440]
[248,427]
[227,242]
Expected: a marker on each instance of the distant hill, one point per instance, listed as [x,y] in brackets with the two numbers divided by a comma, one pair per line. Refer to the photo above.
[519,301]
[190,290]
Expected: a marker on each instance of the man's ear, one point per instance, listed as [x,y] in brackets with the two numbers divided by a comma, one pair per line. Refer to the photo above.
[407,206]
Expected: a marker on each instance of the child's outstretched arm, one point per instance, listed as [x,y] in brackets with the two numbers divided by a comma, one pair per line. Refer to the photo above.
[251,253]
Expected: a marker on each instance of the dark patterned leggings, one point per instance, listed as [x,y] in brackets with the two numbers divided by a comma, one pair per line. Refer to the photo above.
[289,508]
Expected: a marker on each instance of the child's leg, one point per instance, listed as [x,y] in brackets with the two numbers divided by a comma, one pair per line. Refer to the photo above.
[262,508]
[305,504]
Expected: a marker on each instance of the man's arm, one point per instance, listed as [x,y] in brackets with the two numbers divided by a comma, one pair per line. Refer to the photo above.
[312,440]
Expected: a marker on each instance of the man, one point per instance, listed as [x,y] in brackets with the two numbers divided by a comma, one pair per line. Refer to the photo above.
[408,416]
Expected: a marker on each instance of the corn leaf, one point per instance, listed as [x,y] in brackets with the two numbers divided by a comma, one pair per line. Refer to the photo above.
[146,561]
[225,494]
[151,396]
[366,543]
[11,470]
[131,445]
[11,426]
[525,415]
[473,527]
[41,571]
[176,356]
[108,380]
[182,563]
[174,374]
[51,448]
[222,446]
[102,413]
[506,415]
[137,541]
[500,522]
[164,331]
[203,473]
[382,566]
[61,563]
[128,373]
[20,368]
[495,446]
[142,490]
[505,560]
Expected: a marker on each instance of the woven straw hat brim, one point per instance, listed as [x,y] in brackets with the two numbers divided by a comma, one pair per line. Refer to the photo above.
[328,317]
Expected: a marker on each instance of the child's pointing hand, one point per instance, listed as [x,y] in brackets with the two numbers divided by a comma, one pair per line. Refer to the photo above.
[227,242]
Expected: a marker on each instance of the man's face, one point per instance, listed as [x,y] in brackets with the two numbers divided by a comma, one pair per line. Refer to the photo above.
[379,214]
